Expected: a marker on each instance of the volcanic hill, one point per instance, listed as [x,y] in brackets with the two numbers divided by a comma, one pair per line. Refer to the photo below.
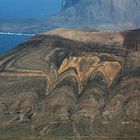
[72,84]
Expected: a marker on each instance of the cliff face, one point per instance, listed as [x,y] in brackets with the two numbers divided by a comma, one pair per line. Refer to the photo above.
[103,14]
[72,84]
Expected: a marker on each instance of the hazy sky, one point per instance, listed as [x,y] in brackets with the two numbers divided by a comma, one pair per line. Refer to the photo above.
[28,8]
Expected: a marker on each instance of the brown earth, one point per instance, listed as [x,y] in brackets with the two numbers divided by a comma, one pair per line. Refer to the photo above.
[72,84]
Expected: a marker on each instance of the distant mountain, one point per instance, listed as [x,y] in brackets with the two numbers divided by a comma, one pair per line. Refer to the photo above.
[106,14]
[25,26]
[97,14]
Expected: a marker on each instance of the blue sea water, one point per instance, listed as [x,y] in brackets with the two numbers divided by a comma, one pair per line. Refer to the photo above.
[9,41]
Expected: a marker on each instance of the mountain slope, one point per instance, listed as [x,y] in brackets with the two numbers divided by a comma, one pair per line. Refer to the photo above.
[106,14]
[72,84]
[95,14]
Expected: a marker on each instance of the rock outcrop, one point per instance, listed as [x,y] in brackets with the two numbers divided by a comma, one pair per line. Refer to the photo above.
[72,84]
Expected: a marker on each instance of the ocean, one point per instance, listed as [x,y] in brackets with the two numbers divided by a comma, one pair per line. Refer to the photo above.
[11,40]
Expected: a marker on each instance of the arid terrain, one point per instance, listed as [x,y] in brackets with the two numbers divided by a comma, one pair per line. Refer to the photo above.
[70,84]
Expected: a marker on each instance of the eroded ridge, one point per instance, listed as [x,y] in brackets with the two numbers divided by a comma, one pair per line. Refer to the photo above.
[87,65]
[24,73]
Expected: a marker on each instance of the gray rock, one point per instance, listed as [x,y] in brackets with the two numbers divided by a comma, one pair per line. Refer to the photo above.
[103,14]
